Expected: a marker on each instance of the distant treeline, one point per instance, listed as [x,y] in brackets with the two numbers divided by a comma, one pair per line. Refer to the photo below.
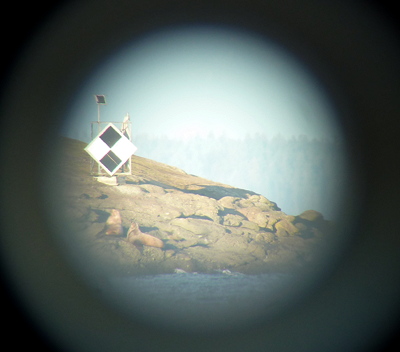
[297,173]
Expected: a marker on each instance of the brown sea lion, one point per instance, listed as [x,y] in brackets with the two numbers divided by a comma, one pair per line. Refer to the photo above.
[136,236]
[113,225]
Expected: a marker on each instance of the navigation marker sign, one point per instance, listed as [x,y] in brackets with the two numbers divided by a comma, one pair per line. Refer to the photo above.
[100,99]
[110,149]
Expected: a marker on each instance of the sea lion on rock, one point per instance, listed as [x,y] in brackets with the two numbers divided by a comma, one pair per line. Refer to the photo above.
[136,236]
[113,225]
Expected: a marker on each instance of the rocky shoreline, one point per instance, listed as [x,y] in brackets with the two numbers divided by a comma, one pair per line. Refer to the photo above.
[205,226]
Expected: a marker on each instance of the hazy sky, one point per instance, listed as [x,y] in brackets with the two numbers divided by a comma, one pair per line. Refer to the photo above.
[195,81]
[184,83]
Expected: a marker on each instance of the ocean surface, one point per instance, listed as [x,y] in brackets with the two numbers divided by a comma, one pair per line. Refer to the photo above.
[206,302]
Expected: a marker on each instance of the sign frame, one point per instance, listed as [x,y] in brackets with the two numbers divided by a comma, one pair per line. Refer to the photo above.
[108,159]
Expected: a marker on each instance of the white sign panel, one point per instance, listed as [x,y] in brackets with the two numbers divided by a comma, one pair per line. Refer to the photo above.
[111,149]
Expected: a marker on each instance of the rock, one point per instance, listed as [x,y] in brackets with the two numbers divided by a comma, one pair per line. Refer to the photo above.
[112,181]
[207,231]
[301,226]
[130,190]
[311,215]
[192,205]
[266,237]
[257,251]
[204,225]
[198,227]
[250,225]
[285,228]
[232,220]
[312,224]
[179,271]
[264,204]
[252,214]
[169,253]
[228,202]
[152,189]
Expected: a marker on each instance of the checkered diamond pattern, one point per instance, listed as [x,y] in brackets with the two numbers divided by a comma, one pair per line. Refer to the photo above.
[111,149]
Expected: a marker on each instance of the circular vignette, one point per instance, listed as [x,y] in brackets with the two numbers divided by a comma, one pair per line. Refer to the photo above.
[354,307]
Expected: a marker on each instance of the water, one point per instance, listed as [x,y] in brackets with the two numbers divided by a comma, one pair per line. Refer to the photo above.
[200,302]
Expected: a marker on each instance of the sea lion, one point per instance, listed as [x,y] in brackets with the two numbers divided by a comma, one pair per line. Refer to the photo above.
[136,236]
[113,225]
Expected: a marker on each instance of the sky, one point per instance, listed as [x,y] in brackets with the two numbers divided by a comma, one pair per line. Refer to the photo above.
[188,82]
[183,83]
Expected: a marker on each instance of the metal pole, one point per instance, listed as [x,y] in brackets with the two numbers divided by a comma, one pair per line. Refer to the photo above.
[98,131]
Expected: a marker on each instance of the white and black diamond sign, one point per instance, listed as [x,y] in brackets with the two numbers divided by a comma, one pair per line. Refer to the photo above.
[111,149]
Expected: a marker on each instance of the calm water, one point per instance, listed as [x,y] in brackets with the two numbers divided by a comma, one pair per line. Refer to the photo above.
[199,301]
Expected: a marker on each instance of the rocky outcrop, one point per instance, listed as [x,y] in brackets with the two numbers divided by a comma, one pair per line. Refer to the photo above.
[204,225]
